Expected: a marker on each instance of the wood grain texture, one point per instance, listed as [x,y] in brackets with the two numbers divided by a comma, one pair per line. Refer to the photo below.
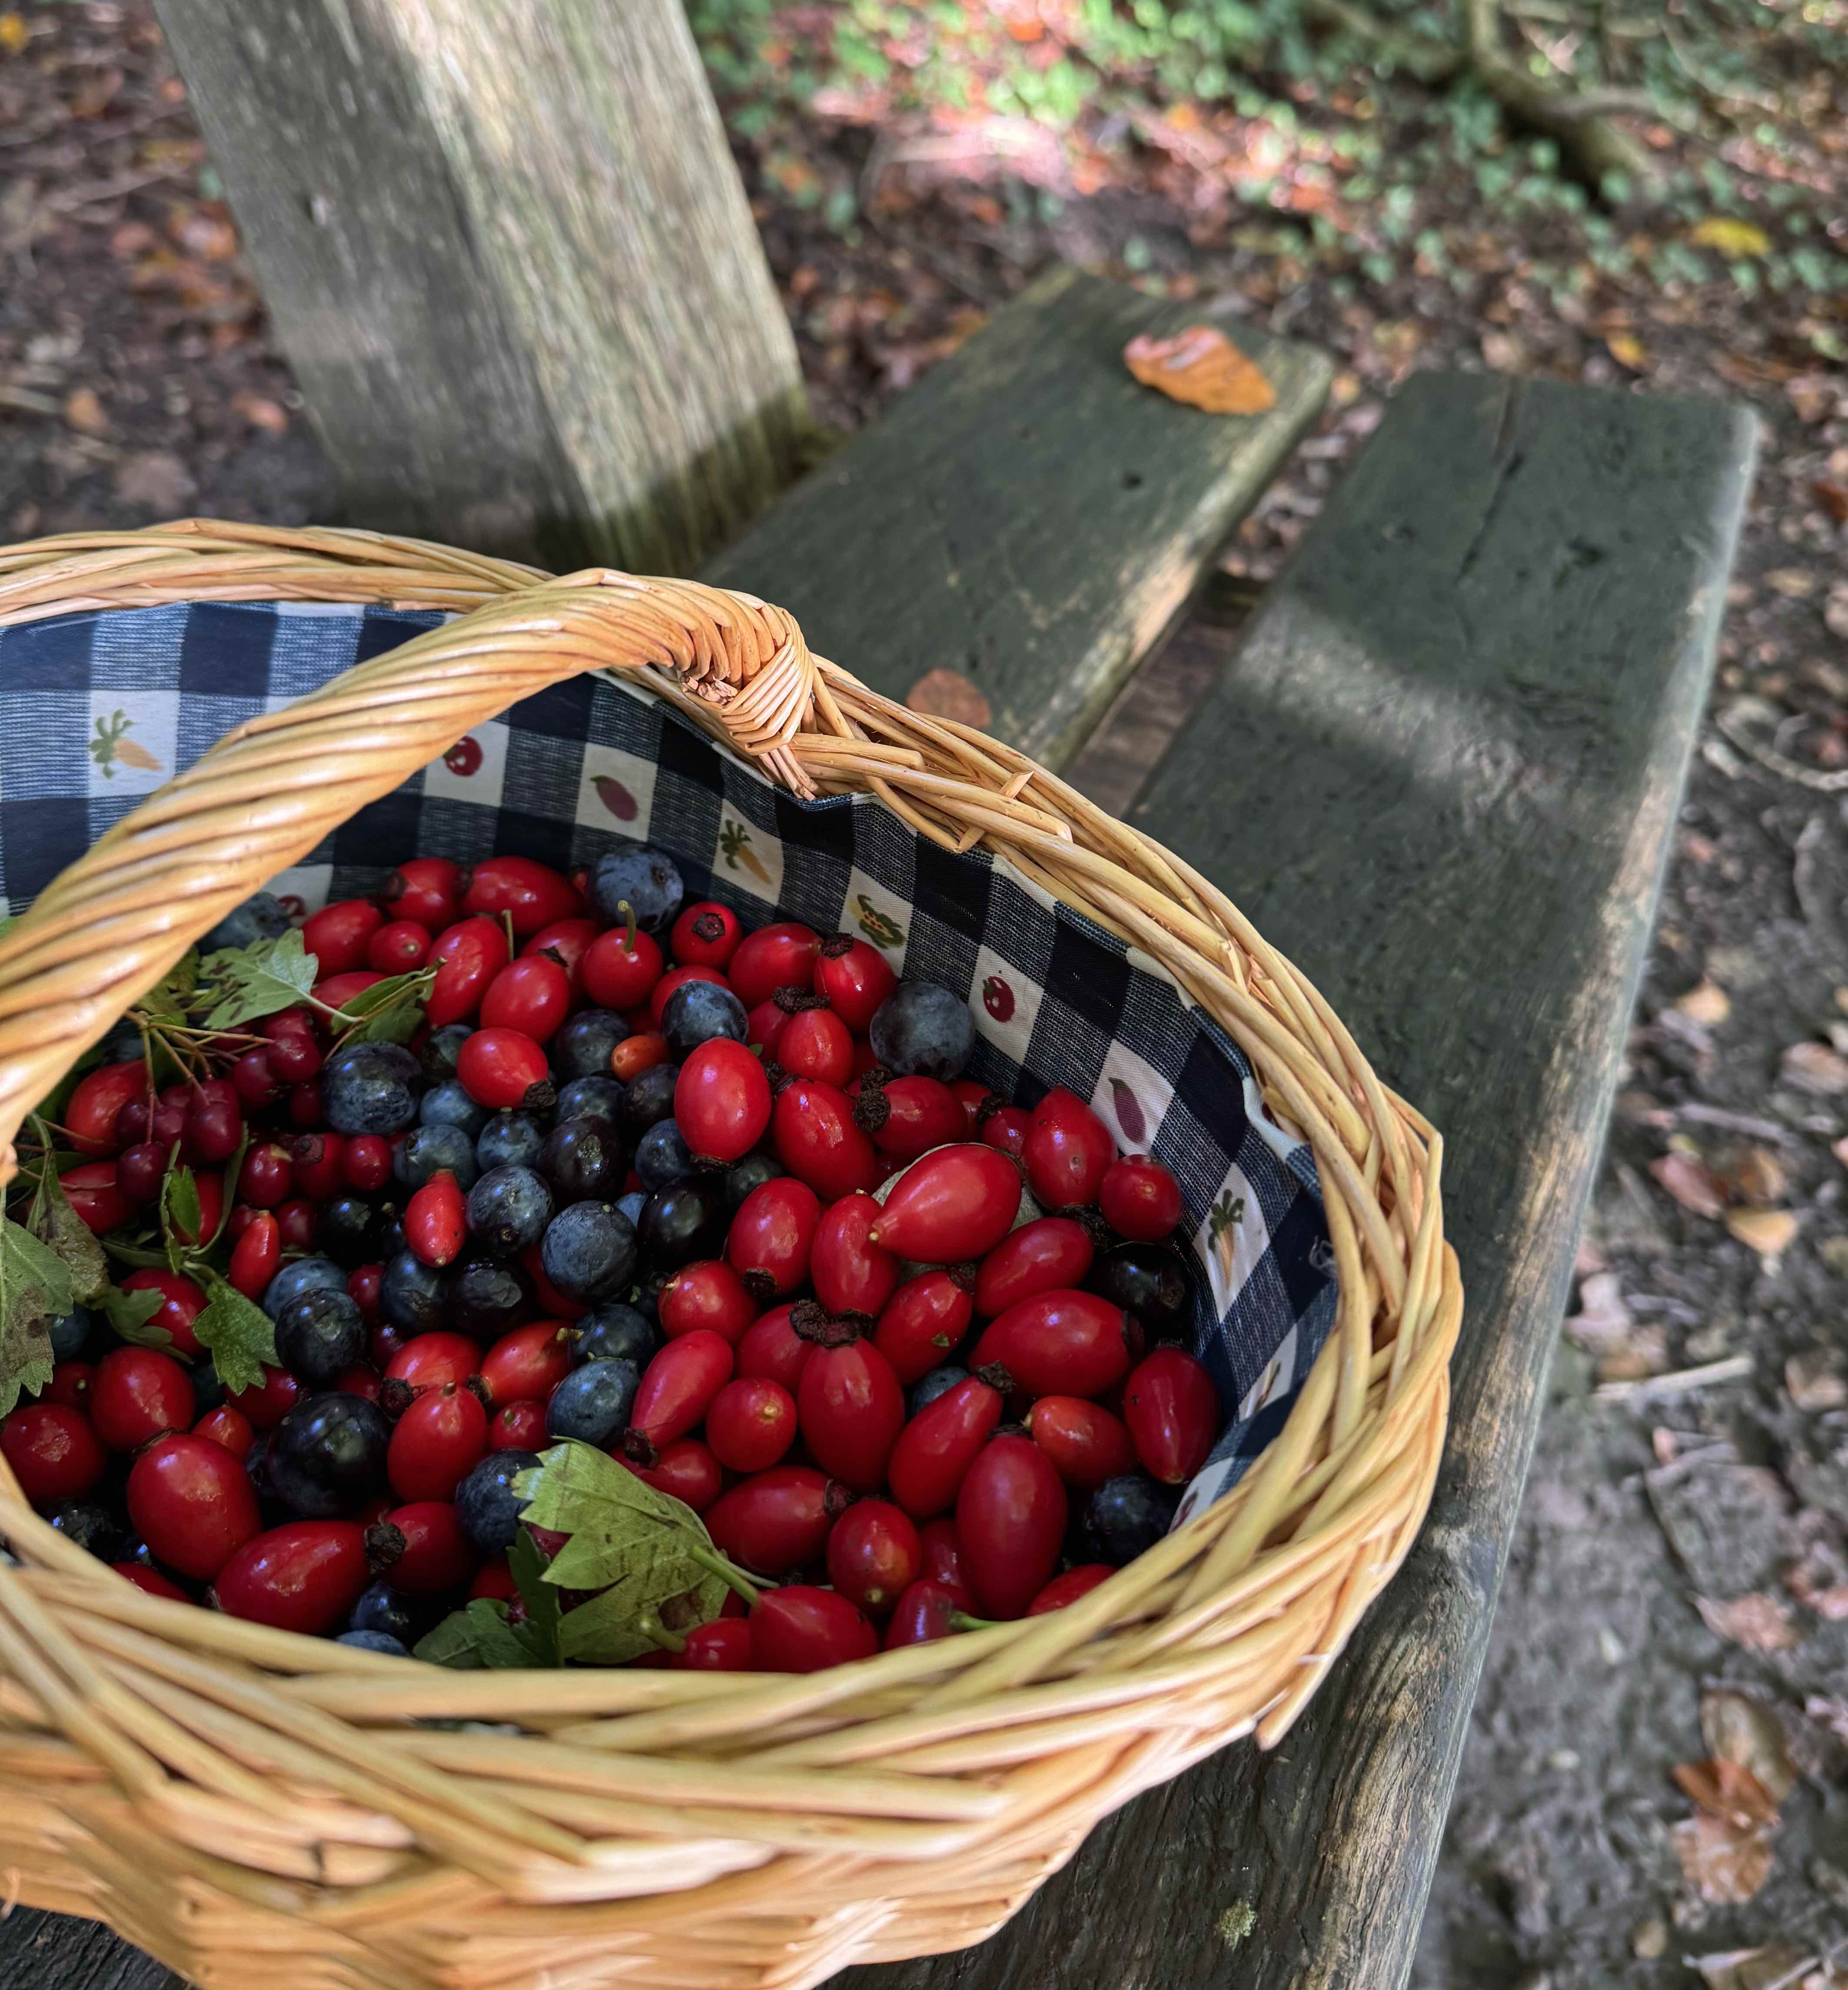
[1441,774]
[1028,515]
[509,258]
[47,1951]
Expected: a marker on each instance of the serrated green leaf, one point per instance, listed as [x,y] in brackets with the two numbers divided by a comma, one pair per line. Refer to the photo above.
[74,1240]
[166,1001]
[544,1612]
[35,1289]
[180,1215]
[256,980]
[644,1549]
[476,1636]
[391,1011]
[240,1336]
[131,1314]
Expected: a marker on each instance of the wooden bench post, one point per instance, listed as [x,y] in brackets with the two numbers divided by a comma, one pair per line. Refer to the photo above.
[509,257]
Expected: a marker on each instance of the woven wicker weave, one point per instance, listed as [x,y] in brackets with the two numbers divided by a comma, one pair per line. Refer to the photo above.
[257,1808]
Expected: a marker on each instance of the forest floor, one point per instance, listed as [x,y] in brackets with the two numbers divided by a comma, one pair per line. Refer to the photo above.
[1678,1595]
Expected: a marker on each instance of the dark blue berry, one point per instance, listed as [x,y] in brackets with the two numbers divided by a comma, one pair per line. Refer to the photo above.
[632,1204]
[648,1101]
[697,1012]
[663,1156]
[508,1210]
[306,1275]
[326,1458]
[72,1334]
[208,1388]
[592,1403]
[599,1096]
[320,1336]
[446,1104]
[410,1294]
[485,1298]
[427,1150]
[583,1159]
[589,1251]
[581,1047]
[442,1047]
[345,1230]
[385,1612]
[682,1223]
[486,1503]
[509,1140]
[1150,1281]
[371,1089]
[927,1388]
[94,1526]
[744,1176]
[634,877]
[374,1640]
[261,916]
[923,1031]
[614,1332]
[1127,1516]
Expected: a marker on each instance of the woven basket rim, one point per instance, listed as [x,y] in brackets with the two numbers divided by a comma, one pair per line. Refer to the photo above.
[918,1773]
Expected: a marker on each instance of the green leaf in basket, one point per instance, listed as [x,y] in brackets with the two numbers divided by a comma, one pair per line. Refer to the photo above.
[648,1553]
[131,1314]
[181,1218]
[35,1289]
[544,1612]
[166,1001]
[240,1335]
[475,1638]
[391,1011]
[72,1239]
[248,982]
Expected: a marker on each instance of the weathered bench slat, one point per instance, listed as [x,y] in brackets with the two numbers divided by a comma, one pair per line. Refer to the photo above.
[1441,773]
[1027,515]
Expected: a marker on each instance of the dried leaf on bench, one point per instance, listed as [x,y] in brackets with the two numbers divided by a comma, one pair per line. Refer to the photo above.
[945,694]
[1724,1864]
[1202,367]
[1727,1790]
[1757,1621]
[1815,1068]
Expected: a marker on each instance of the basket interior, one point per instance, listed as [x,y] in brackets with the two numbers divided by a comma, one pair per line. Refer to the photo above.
[98,708]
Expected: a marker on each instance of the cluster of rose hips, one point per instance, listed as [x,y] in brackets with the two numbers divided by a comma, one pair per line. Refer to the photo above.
[722,1205]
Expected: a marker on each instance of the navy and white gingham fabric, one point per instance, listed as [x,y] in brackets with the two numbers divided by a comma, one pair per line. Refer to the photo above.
[98,709]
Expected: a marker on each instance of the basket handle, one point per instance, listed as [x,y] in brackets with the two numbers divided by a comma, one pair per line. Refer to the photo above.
[111,925]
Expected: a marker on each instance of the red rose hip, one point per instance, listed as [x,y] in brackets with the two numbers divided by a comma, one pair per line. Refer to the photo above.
[191,1500]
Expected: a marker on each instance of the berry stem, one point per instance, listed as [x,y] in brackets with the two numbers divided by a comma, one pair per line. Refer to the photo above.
[727,1572]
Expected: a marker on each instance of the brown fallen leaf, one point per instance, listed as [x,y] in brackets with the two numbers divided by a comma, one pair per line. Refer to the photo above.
[1725,1866]
[1814,1068]
[1751,1174]
[84,411]
[1833,498]
[1739,1730]
[943,694]
[1628,351]
[1814,1380]
[1728,1790]
[1809,1582]
[1692,1184]
[1767,1231]
[1758,1622]
[156,478]
[1707,1002]
[1202,367]
[1770,1968]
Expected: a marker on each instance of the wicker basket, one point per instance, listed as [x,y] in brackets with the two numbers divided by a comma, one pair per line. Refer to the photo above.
[255,1807]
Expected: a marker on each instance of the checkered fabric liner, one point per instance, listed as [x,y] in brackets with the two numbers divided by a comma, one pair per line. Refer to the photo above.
[97,709]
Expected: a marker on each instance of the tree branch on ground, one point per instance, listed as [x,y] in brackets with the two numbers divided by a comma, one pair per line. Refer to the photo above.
[1577,120]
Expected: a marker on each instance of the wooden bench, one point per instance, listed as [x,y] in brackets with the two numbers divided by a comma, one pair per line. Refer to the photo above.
[1440,770]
